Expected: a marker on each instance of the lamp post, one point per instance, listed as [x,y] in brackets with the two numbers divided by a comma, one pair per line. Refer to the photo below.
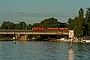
[23,25]
[86,34]
[26,33]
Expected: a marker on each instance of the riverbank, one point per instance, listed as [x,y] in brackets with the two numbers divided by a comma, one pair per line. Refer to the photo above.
[53,40]
[65,40]
[59,40]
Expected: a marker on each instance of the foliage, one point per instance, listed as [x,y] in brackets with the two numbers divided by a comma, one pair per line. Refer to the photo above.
[21,26]
[50,22]
[36,24]
[81,13]
[87,20]
[80,24]
[29,27]
[77,27]
[7,25]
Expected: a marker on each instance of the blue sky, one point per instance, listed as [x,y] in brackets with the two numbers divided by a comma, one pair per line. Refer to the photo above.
[35,11]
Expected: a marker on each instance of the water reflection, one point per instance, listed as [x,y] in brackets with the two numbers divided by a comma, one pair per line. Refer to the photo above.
[49,51]
[71,52]
[42,51]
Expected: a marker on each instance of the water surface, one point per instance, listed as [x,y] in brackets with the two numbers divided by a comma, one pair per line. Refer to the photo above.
[42,51]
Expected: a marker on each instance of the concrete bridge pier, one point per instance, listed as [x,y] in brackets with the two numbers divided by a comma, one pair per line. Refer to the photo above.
[23,37]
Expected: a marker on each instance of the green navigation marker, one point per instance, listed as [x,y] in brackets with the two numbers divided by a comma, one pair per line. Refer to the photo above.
[14,42]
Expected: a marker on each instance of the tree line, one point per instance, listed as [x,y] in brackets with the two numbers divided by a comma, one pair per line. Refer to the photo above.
[80,24]
[50,22]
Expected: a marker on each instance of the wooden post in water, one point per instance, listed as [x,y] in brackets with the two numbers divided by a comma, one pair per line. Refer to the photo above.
[71,52]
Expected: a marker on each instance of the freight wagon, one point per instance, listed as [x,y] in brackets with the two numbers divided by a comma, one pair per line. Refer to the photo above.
[50,29]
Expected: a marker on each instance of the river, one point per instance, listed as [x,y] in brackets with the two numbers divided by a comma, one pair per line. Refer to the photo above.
[42,50]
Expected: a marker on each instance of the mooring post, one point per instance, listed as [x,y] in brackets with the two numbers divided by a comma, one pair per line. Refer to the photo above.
[71,52]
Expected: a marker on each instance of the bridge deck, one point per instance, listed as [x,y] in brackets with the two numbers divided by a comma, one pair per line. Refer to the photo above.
[33,32]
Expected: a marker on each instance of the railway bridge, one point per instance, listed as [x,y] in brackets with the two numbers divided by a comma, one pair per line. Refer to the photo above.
[23,33]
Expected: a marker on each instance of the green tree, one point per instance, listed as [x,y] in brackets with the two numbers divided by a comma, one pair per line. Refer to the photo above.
[70,23]
[7,25]
[29,27]
[81,13]
[50,22]
[87,21]
[21,26]
[36,24]
[87,13]
[77,24]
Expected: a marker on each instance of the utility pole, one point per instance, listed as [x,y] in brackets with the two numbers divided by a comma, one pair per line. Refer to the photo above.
[86,34]
[23,25]
[26,33]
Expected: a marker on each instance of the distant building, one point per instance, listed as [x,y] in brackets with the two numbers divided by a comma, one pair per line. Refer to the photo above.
[62,25]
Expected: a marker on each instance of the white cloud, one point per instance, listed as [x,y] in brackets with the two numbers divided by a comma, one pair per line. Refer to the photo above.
[23,14]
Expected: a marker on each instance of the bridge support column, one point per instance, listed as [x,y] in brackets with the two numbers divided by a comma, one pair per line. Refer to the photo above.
[23,37]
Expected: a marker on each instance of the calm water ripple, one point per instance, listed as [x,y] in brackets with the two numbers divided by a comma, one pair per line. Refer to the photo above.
[42,51]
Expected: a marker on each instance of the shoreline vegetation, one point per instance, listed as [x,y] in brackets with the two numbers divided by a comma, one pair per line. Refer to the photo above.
[54,40]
